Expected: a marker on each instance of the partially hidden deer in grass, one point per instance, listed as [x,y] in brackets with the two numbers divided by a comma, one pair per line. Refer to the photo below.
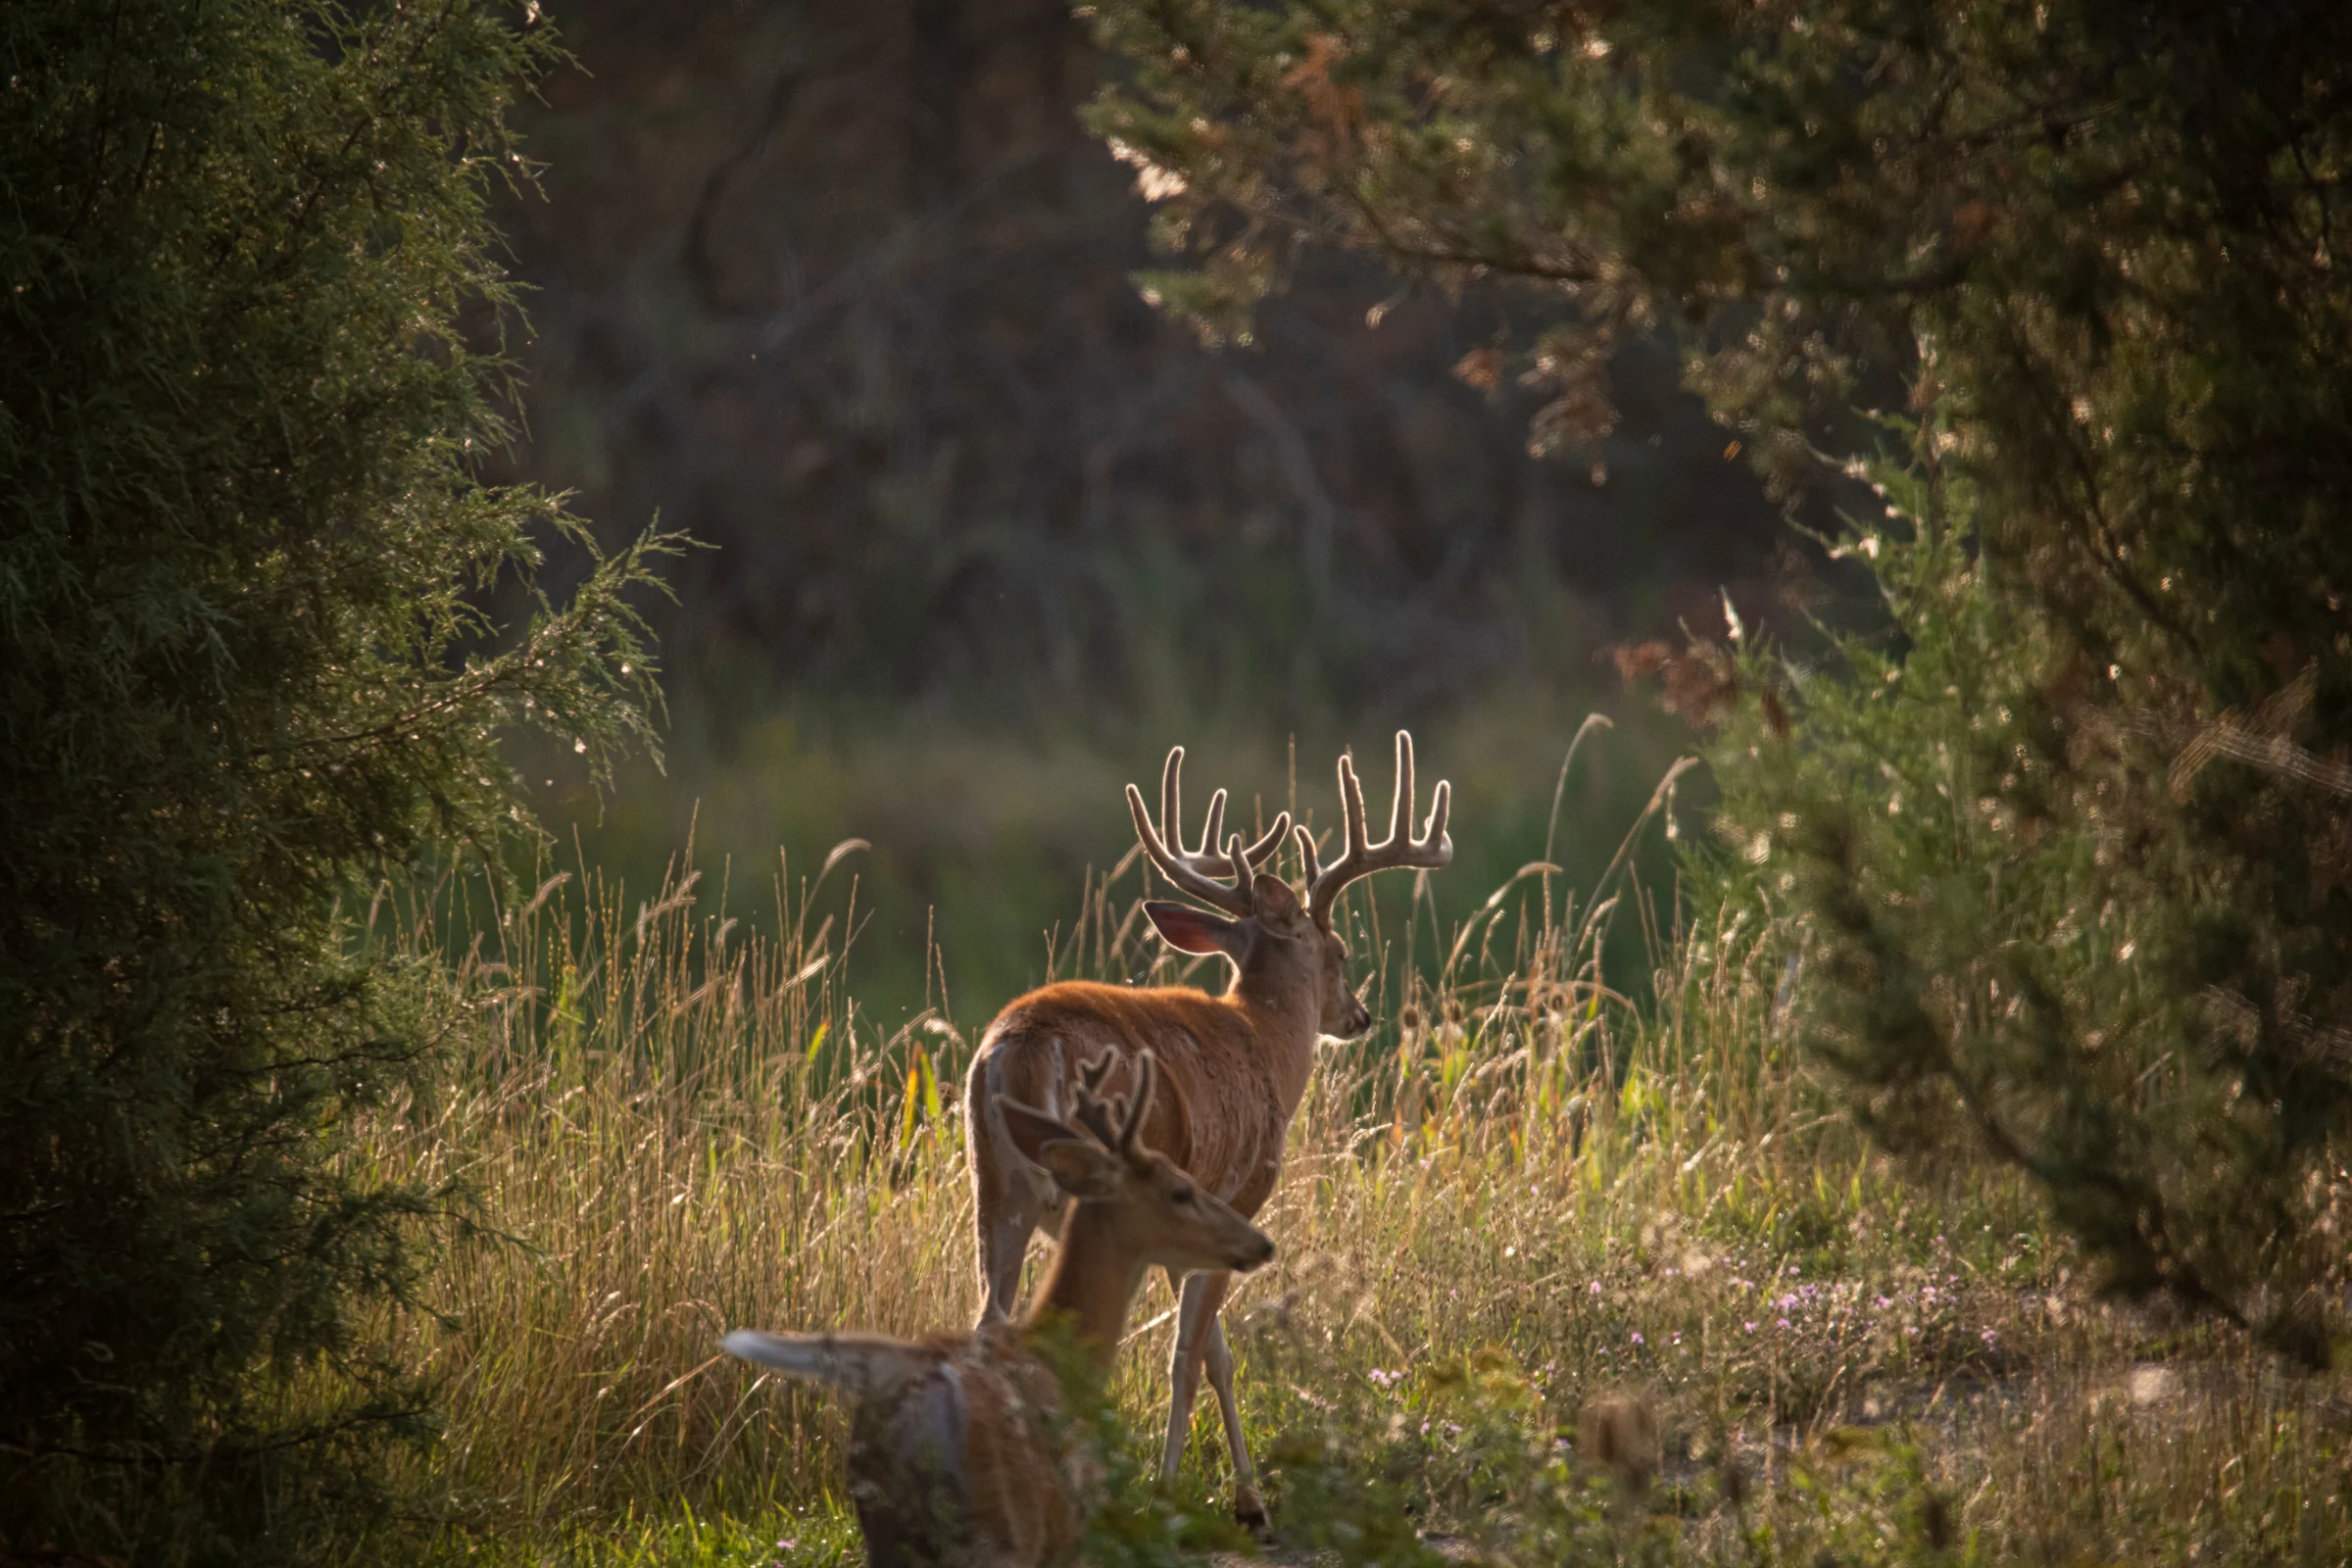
[953,1449]
[1232,1067]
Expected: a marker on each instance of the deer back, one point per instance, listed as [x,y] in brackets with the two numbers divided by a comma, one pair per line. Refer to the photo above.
[953,1453]
[1027,1491]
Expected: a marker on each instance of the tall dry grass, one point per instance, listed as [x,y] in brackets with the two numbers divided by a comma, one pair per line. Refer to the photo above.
[1518,1183]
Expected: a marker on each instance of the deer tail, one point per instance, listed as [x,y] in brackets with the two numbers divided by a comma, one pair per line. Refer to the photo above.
[861,1365]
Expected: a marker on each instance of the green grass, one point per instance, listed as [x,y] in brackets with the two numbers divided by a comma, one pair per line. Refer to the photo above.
[1522,1194]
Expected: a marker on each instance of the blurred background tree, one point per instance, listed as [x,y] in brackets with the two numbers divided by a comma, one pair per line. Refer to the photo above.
[2067,838]
[241,680]
[846,291]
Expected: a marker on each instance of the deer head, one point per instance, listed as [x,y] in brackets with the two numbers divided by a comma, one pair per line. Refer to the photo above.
[1162,1217]
[1282,946]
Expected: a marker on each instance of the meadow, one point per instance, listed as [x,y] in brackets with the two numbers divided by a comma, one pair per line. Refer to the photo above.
[1571,1269]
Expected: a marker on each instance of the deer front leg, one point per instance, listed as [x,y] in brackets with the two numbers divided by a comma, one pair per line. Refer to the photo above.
[1248,1508]
[1199,1340]
[1193,1308]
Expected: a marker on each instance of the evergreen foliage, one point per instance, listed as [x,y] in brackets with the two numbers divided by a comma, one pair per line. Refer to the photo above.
[2073,849]
[242,676]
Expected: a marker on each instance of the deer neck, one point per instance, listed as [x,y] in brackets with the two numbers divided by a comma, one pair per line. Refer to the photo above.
[1093,1281]
[1284,1015]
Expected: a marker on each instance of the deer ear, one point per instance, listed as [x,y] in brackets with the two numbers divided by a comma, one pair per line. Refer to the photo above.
[1080,1169]
[1191,930]
[1031,1129]
[1273,900]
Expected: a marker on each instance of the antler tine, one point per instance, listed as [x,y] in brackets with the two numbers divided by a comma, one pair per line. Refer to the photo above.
[1092,1074]
[1146,1067]
[1195,871]
[1306,853]
[1257,853]
[1431,849]
[1171,794]
[1400,799]
[1212,831]
[1090,1107]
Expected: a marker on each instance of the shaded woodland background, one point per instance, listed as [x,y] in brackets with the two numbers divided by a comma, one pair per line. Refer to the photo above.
[844,292]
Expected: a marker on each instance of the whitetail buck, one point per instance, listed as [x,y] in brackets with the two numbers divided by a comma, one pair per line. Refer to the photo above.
[953,1454]
[1231,1068]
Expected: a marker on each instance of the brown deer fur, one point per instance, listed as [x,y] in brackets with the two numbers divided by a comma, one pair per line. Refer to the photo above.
[1231,1070]
[953,1457]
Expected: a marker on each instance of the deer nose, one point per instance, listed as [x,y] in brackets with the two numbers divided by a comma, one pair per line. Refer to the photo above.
[1257,1254]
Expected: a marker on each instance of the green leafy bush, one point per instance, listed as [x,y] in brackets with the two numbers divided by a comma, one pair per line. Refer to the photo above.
[242,674]
[2097,246]
[2003,950]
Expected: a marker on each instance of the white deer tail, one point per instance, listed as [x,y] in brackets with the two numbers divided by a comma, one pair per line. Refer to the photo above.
[861,1365]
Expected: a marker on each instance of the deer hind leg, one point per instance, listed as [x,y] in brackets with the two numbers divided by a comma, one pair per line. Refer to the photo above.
[1003,1247]
[1010,1198]
[1007,1207]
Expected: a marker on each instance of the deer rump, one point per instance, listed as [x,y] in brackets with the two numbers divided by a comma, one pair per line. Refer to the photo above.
[943,1431]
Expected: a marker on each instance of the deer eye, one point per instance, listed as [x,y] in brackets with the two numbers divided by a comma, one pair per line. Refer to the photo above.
[1184,1195]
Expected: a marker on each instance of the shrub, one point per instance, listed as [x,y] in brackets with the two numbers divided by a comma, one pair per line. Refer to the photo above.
[2094,244]
[2007,948]
[242,676]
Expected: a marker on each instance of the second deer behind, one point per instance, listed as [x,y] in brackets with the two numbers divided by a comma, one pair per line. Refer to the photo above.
[1233,1068]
